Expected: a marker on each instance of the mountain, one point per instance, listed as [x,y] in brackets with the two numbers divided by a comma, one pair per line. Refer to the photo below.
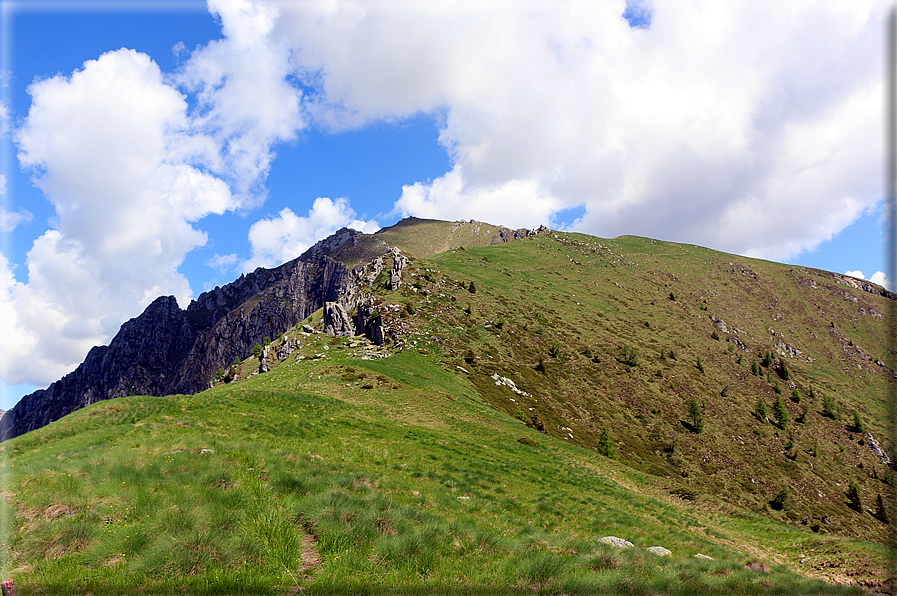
[752,395]
[167,350]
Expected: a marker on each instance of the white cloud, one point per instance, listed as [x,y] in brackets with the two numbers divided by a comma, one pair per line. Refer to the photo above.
[750,128]
[881,279]
[878,277]
[130,167]
[223,262]
[286,236]
[245,103]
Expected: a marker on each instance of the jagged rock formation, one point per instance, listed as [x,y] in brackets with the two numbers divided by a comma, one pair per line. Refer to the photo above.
[337,320]
[369,323]
[167,350]
[398,264]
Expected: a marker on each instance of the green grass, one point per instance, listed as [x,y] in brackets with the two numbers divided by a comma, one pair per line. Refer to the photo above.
[405,474]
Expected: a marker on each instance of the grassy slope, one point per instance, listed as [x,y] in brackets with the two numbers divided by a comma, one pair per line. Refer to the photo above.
[349,471]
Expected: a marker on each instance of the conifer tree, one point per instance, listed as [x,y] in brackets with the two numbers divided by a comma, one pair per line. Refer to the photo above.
[780,413]
[695,416]
[605,445]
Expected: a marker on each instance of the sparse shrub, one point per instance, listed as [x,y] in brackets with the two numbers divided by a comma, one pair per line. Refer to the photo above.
[780,499]
[554,350]
[881,511]
[803,413]
[605,445]
[472,288]
[540,366]
[520,415]
[738,360]
[257,350]
[854,497]
[410,308]
[760,409]
[672,354]
[672,297]
[468,310]
[629,356]
[698,365]
[782,371]
[795,395]
[858,425]
[767,359]
[830,408]
[219,374]
[777,390]
[755,368]
[500,323]
[780,413]
[714,335]
[703,306]
[695,416]
[267,340]
[470,357]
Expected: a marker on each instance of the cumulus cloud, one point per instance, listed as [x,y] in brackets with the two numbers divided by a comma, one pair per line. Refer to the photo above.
[130,165]
[878,277]
[245,102]
[286,236]
[750,128]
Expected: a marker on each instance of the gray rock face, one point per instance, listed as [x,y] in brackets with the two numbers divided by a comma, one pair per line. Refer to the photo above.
[369,323]
[167,350]
[336,320]
[399,263]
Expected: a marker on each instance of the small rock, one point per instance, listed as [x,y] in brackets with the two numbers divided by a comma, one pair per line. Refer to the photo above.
[615,542]
[705,557]
[660,551]
[308,329]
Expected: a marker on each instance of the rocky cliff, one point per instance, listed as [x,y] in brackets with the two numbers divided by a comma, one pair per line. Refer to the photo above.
[167,350]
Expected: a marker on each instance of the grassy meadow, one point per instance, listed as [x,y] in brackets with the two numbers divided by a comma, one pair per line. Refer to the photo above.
[405,469]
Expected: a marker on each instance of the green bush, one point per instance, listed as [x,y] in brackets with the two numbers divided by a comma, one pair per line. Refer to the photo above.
[780,499]
[257,350]
[830,408]
[605,445]
[629,356]
[858,425]
[554,350]
[855,497]
[760,409]
[795,395]
[781,414]
[755,368]
[695,416]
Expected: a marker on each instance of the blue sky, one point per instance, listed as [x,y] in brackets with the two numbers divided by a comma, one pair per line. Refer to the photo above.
[155,147]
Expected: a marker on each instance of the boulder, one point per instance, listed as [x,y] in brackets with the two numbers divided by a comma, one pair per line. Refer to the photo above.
[660,551]
[615,542]
[336,320]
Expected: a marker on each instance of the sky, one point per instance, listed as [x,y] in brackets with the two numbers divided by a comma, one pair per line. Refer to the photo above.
[163,147]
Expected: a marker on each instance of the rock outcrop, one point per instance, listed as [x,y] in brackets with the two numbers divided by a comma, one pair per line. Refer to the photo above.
[369,323]
[168,350]
[337,320]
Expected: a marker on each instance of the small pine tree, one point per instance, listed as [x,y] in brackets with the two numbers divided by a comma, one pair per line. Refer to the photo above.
[795,395]
[698,364]
[854,497]
[780,413]
[881,511]
[767,359]
[695,415]
[803,413]
[780,499]
[257,350]
[858,425]
[472,288]
[830,408]
[605,445]
[755,368]
[760,410]
[672,297]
